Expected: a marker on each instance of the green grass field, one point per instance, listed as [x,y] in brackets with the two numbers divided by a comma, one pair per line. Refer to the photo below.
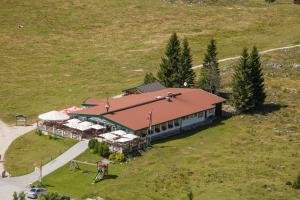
[29,150]
[70,50]
[245,157]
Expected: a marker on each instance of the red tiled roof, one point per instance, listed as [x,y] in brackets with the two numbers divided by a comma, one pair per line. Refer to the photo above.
[190,101]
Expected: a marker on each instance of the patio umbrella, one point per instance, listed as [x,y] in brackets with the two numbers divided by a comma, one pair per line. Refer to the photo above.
[54,116]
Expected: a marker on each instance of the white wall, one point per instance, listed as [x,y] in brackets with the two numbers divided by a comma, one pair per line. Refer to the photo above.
[192,120]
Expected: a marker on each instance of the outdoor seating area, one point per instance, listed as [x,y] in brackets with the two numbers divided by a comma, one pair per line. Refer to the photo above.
[60,124]
[122,142]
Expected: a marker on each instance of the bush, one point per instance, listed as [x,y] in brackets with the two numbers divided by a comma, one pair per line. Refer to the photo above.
[103,149]
[296,183]
[112,157]
[95,149]
[38,132]
[92,143]
[120,157]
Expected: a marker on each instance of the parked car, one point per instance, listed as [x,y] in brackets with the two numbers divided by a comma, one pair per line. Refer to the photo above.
[65,198]
[35,192]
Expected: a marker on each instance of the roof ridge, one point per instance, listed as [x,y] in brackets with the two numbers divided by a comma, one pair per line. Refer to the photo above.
[158,98]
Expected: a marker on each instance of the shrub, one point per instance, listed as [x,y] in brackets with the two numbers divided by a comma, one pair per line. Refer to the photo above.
[92,143]
[120,157]
[50,137]
[95,149]
[103,149]
[112,157]
[38,132]
[296,183]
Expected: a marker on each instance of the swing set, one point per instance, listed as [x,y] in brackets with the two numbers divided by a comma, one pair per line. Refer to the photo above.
[102,168]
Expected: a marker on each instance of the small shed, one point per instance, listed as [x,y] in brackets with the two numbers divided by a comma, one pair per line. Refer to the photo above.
[151,87]
[21,119]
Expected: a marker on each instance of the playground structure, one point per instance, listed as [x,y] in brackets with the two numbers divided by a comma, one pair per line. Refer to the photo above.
[102,168]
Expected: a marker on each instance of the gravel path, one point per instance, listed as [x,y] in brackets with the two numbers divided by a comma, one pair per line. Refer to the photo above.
[8,134]
[261,52]
[21,183]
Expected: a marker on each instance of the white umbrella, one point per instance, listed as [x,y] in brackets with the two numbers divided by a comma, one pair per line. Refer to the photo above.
[130,136]
[97,127]
[74,120]
[119,132]
[54,116]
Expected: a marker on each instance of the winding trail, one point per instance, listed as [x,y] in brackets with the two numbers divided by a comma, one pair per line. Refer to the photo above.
[21,183]
[7,135]
[261,52]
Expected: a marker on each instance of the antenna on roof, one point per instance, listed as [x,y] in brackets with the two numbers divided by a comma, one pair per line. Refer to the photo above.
[107,106]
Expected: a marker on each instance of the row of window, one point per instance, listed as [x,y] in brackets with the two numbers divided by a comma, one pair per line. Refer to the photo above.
[167,125]
[195,115]
[174,123]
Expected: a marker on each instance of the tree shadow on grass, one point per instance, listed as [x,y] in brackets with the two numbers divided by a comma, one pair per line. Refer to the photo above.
[268,108]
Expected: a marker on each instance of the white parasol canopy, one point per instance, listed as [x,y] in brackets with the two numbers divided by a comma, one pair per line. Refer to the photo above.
[123,140]
[119,132]
[54,116]
[97,127]
[130,136]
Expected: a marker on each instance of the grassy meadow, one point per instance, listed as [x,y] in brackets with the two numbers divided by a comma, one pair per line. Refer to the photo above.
[29,150]
[245,157]
[55,54]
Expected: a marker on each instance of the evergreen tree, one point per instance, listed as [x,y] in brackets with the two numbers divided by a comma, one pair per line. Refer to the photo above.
[242,87]
[257,78]
[149,78]
[210,73]
[169,67]
[186,73]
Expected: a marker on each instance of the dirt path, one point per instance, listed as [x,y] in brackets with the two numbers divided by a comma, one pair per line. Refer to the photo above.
[7,135]
[262,52]
[21,183]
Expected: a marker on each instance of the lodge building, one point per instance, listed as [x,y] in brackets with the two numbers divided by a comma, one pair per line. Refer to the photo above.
[156,114]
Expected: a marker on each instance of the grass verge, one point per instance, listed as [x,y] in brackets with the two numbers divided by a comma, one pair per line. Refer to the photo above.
[30,150]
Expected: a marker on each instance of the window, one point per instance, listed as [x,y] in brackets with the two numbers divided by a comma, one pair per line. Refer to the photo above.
[176,122]
[164,126]
[200,114]
[157,129]
[170,124]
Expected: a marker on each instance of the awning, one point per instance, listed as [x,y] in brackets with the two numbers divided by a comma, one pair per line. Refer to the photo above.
[54,116]
[71,109]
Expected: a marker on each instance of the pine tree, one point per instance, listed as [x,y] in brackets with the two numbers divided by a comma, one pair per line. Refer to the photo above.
[186,73]
[169,67]
[242,87]
[149,78]
[257,78]
[210,73]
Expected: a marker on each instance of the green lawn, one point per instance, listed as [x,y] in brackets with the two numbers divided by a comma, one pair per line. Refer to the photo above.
[70,50]
[246,157]
[29,150]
